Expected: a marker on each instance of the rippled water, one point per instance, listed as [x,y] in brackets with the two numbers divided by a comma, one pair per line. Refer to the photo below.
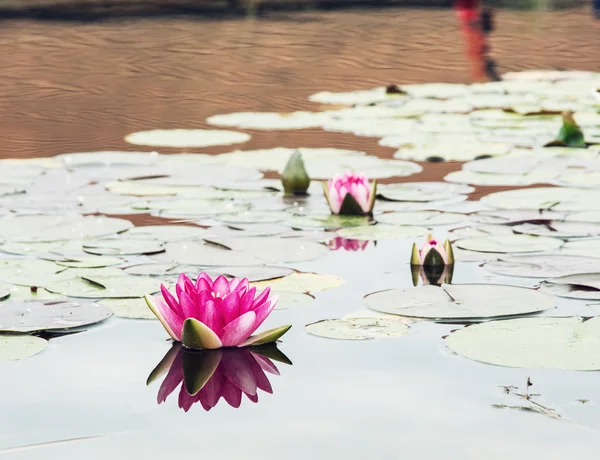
[84,86]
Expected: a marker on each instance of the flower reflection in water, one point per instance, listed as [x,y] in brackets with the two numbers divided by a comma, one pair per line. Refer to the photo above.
[432,274]
[209,375]
[347,244]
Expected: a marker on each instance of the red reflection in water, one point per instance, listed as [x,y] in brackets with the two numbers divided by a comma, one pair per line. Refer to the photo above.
[347,244]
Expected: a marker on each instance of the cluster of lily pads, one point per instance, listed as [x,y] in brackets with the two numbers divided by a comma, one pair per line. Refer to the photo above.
[68,260]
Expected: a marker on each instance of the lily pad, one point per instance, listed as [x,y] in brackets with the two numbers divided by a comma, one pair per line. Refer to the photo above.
[464,302]
[165,232]
[509,244]
[559,229]
[423,218]
[254,217]
[129,308]
[49,315]
[302,283]
[477,231]
[204,254]
[14,347]
[548,198]
[328,222]
[122,247]
[421,191]
[357,328]
[269,120]
[183,138]
[515,216]
[581,248]
[105,287]
[543,266]
[287,300]
[565,343]
[86,261]
[381,232]
[576,286]
[477,178]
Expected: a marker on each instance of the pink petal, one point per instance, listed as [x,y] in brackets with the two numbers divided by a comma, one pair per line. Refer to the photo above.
[253,398]
[186,304]
[172,380]
[262,298]
[221,286]
[440,248]
[361,195]
[263,312]
[232,394]
[204,285]
[266,364]
[171,301]
[247,300]
[173,320]
[186,401]
[212,317]
[230,307]
[210,394]
[237,366]
[238,330]
[185,283]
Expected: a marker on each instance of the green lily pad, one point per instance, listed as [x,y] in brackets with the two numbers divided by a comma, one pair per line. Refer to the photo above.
[564,343]
[423,218]
[49,315]
[14,347]
[559,229]
[129,308]
[204,254]
[350,98]
[108,158]
[515,216]
[122,247]
[287,300]
[301,283]
[421,191]
[464,302]
[477,178]
[543,266]
[328,222]
[192,208]
[254,217]
[357,328]
[478,231]
[381,232]
[252,272]
[269,120]
[546,198]
[509,244]
[86,261]
[26,293]
[184,138]
[274,250]
[41,248]
[165,232]
[105,287]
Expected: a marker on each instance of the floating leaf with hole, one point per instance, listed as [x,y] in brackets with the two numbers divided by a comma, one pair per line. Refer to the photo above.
[84,261]
[565,343]
[357,328]
[302,283]
[509,244]
[49,315]
[14,347]
[543,266]
[421,191]
[463,302]
[254,217]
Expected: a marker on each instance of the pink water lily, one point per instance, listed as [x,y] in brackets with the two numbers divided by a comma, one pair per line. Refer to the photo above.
[347,244]
[433,252]
[350,194]
[209,376]
[211,314]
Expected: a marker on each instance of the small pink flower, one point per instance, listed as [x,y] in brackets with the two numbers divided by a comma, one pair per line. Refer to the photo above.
[442,253]
[347,244]
[214,314]
[350,194]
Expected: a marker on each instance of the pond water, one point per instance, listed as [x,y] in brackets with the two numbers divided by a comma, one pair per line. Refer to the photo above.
[82,87]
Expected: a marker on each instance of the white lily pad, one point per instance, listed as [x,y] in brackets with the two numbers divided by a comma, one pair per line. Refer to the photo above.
[509,244]
[164,232]
[254,217]
[302,283]
[564,343]
[204,254]
[183,138]
[515,216]
[85,261]
[136,308]
[421,191]
[581,248]
[576,286]
[559,229]
[476,178]
[360,97]
[269,120]
[423,218]
[543,266]
[357,328]
[328,222]
[49,315]
[381,232]
[477,231]
[465,302]
[274,250]
[122,247]
[14,347]
[549,198]
[583,216]
[287,300]
[105,287]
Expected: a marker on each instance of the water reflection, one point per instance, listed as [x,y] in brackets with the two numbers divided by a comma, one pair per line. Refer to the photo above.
[347,244]
[432,274]
[209,375]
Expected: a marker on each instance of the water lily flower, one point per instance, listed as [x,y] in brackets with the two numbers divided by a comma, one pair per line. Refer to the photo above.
[210,375]
[213,314]
[432,274]
[347,244]
[432,253]
[350,194]
[294,178]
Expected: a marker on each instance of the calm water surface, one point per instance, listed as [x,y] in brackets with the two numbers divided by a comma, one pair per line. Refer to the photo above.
[82,87]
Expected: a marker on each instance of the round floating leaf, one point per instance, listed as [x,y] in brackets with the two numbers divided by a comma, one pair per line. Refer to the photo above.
[254,217]
[543,266]
[509,244]
[105,287]
[253,272]
[204,254]
[129,308]
[577,286]
[357,328]
[584,216]
[122,247]
[286,300]
[274,250]
[559,229]
[482,231]
[515,216]
[381,232]
[86,261]
[421,191]
[350,98]
[13,347]
[564,343]
[47,315]
[328,222]
[108,158]
[182,138]
[581,248]
[302,283]
[424,218]
[477,178]
[269,120]
[459,301]
[42,248]
[549,198]
[164,232]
